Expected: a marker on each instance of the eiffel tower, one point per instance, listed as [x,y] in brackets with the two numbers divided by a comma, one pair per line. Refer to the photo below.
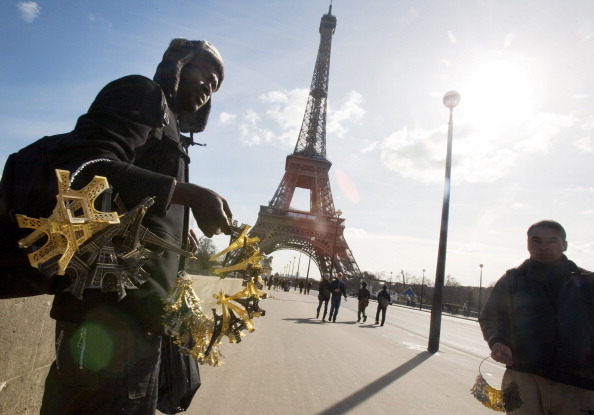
[318,233]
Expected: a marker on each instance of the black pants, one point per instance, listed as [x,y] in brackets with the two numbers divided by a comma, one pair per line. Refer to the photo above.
[377,313]
[101,370]
[361,310]
[325,301]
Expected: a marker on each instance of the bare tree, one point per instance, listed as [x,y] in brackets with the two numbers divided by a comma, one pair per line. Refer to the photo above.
[451,281]
[203,249]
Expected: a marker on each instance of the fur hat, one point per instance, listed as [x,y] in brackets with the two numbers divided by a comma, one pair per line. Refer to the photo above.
[179,53]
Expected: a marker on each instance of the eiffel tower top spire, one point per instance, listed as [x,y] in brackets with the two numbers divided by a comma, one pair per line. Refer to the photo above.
[312,137]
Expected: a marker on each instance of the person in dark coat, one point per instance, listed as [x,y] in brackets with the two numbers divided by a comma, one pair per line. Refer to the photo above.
[383,301]
[323,296]
[539,322]
[337,290]
[108,349]
[363,295]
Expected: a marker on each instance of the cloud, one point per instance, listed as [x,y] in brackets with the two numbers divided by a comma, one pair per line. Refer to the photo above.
[250,133]
[226,118]
[416,154]
[582,189]
[494,212]
[281,118]
[541,129]
[479,154]
[369,148]
[355,233]
[420,155]
[286,108]
[585,144]
[350,110]
[30,10]
[96,18]
[284,111]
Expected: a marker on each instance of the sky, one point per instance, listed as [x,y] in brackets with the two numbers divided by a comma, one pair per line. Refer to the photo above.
[523,132]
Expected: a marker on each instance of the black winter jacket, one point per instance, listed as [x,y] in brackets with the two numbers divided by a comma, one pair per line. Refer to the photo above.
[324,293]
[130,124]
[545,314]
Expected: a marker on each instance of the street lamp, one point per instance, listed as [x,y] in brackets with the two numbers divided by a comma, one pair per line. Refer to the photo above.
[390,289]
[313,238]
[293,267]
[480,290]
[298,264]
[338,213]
[450,100]
[422,285]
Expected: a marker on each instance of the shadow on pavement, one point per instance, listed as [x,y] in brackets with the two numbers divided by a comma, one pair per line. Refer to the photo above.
[368,391]
[286,299]
[304,320]
[312,320]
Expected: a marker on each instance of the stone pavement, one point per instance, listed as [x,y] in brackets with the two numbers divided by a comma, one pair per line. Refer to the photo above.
[296,364]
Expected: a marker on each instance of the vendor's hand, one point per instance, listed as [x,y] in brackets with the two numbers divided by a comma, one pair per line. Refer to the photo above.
[502,354]
[210,210]
[193,242]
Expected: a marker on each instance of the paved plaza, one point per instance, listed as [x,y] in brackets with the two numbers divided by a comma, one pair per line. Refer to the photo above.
[296,364]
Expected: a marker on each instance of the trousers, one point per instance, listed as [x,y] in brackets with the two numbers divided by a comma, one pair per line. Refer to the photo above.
[377,313]
[334,306]
[102,370]
[542,396]
[325,301]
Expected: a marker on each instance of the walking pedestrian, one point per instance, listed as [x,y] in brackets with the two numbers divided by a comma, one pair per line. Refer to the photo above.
[363,296]
[324,295]
[383,300]
[337,290]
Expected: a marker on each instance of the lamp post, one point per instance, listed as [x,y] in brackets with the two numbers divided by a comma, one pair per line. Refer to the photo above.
[313,238]
[450,100]
[298,265]
[390,289]
[480,290]
[293,267]
[422,285]
[338,213]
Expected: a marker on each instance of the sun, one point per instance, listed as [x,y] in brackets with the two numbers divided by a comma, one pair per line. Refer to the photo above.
[499,93]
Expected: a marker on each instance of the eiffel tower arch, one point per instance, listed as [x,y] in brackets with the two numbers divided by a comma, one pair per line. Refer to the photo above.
[319,232]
